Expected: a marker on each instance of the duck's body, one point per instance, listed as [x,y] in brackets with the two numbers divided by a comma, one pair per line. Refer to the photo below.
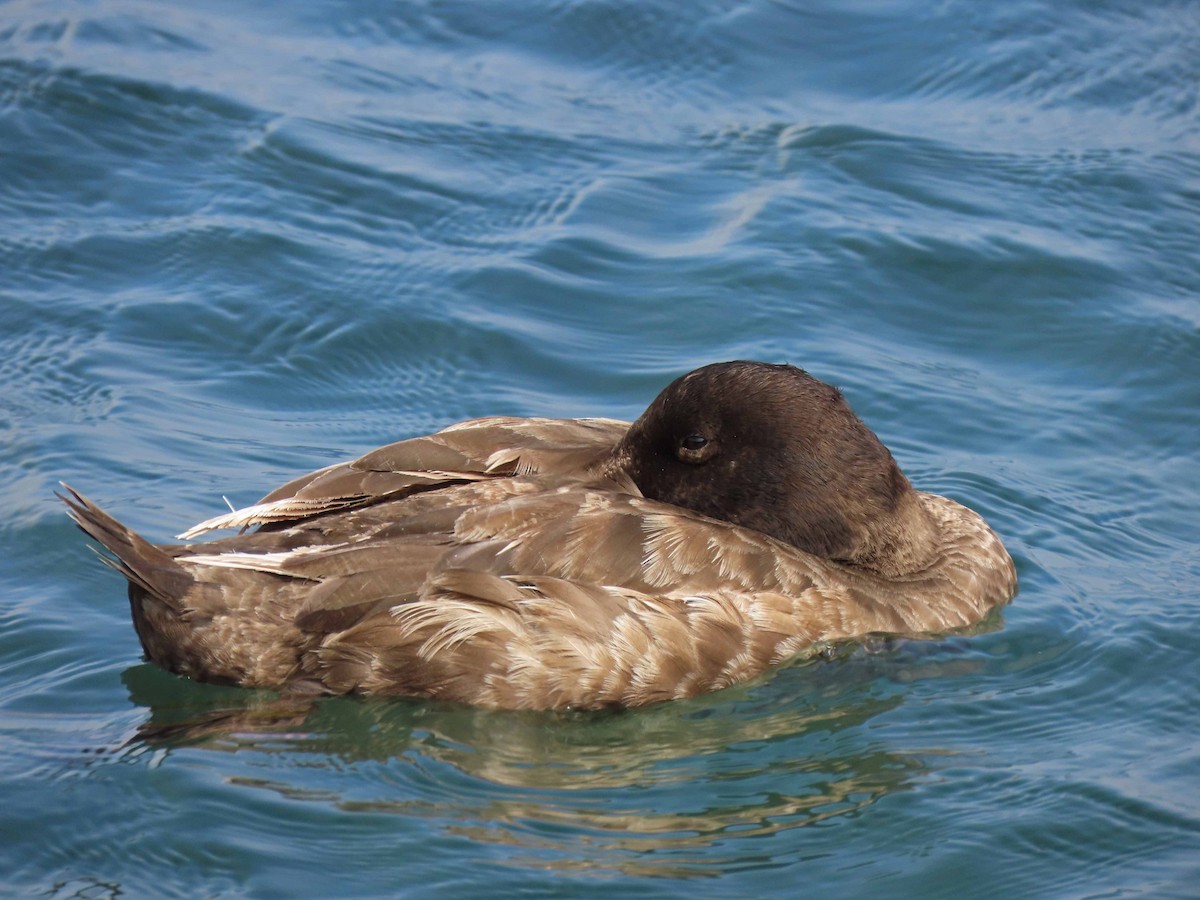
[538,563]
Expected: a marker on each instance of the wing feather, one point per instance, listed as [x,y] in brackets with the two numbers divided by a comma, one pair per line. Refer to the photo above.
[470,451]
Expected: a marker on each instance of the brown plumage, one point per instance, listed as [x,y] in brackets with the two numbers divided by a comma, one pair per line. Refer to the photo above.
[747,517]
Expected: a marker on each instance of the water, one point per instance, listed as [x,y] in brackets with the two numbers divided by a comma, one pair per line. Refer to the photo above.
[242,240]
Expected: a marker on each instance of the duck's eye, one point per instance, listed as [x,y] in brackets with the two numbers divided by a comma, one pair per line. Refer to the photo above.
[695,448]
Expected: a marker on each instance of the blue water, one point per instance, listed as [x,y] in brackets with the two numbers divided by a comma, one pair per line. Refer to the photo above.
[239,241]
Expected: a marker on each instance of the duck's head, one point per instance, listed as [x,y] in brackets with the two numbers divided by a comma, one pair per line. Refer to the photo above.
[771,448]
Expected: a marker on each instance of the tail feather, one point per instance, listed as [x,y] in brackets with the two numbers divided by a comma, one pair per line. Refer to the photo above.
[144,564]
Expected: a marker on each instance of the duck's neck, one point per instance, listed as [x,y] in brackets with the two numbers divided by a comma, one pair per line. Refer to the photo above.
[902,541]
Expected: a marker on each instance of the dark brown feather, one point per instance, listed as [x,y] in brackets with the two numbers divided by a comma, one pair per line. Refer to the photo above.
[745,518]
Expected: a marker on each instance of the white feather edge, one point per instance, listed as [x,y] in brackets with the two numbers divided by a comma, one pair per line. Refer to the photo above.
[275,511]
[299,507]
[274,562]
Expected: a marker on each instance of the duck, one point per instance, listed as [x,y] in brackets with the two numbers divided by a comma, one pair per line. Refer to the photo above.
[746,519]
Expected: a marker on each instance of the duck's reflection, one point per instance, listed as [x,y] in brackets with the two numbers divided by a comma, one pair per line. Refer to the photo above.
[653,791]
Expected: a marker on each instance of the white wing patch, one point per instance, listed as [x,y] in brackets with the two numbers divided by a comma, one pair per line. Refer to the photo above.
[275,563]
[276,511]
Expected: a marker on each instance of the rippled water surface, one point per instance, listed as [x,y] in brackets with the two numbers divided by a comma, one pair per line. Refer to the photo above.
[239,241]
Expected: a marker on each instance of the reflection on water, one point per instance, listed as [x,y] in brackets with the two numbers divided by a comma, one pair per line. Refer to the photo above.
[653,792]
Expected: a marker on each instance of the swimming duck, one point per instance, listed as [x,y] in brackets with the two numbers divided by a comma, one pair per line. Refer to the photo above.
[746,518]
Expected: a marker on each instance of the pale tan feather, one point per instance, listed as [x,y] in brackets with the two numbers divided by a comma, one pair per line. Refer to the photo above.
[514,563]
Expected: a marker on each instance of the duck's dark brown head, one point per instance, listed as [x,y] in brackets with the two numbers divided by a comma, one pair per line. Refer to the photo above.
[771,448]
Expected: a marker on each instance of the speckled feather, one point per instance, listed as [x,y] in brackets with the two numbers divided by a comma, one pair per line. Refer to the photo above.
[516,563]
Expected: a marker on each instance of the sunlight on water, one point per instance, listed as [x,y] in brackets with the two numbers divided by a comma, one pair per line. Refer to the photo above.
[241,241]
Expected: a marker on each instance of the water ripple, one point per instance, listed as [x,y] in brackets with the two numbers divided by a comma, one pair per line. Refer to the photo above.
[239,241]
